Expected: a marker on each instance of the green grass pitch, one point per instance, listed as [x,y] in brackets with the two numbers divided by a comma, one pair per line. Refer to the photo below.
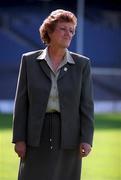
[104,162]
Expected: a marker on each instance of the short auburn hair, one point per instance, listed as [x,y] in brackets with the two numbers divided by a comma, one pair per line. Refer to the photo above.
[51,21]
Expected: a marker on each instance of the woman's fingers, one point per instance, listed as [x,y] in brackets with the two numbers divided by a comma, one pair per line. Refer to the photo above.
[20,149]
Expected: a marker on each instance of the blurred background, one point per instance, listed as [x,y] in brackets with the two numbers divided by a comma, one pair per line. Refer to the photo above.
[98,36]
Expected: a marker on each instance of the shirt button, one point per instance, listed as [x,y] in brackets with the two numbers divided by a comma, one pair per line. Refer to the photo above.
[50,140]
[51,147]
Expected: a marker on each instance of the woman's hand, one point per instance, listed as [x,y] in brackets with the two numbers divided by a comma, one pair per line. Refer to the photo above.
[20,149]
[85,149]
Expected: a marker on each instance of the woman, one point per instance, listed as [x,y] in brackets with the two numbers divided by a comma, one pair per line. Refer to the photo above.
[53,115]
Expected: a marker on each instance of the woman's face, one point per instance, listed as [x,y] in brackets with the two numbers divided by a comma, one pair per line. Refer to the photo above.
[62,35]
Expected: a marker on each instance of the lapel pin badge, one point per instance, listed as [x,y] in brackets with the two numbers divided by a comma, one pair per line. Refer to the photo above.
[65,69]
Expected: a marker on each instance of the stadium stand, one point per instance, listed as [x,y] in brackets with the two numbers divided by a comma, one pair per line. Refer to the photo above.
[102,43]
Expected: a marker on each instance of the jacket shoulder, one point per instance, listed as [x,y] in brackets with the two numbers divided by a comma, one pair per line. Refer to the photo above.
[78,58]
[30,57]
[32,53]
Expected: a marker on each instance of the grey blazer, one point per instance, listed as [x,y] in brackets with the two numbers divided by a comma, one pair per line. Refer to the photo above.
[75,97]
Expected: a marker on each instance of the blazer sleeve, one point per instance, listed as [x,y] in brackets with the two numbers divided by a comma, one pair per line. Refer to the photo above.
[87,106]
[20,105]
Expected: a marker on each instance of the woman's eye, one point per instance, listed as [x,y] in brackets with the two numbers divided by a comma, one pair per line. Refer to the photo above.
[71,31]
[63,29]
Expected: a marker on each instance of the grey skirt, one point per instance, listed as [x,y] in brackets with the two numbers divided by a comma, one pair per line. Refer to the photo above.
[49,161]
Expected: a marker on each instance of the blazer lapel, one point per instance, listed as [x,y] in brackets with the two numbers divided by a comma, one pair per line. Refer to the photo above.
[45,68]
[63,70]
